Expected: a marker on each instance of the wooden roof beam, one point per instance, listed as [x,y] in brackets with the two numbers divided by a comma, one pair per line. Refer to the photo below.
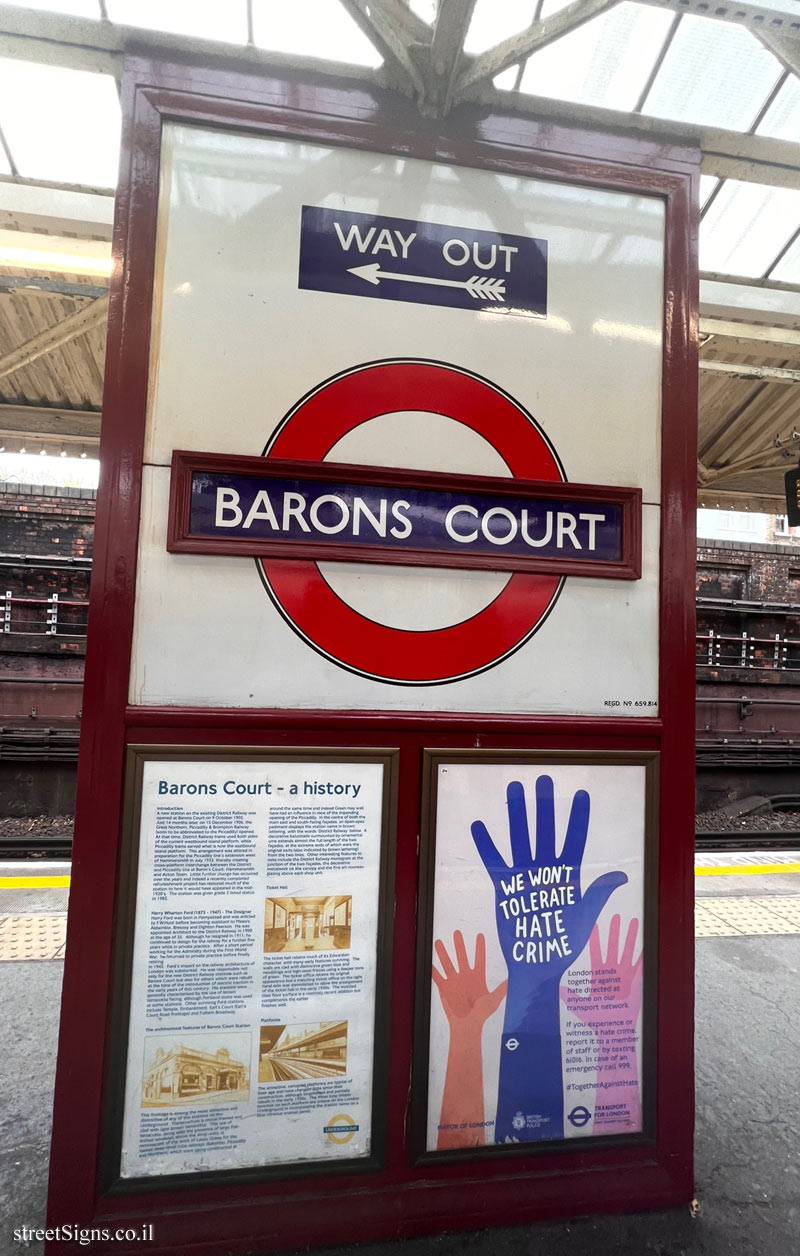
[42,421]
[716,498]
[27,205]
[750,301]
[741,370]
[74,325]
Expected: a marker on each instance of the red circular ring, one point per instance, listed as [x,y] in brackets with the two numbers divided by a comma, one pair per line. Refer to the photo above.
[320,616]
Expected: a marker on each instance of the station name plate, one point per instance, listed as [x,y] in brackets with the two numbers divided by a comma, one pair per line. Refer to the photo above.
[292,509]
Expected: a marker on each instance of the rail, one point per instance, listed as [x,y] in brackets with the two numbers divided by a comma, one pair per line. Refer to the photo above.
[58,616]
[43,616]
[777,653]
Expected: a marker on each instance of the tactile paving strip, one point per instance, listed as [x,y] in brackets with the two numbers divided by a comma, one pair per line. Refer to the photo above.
[786,908]
[719,917]
[42,937]
[33,937]
[756,858]
[707,925]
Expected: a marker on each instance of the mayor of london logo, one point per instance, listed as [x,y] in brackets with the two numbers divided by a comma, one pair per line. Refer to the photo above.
[355,639]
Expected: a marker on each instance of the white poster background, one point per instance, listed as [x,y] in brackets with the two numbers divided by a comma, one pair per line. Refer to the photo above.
[236,344]
[249,1138]
[464,897]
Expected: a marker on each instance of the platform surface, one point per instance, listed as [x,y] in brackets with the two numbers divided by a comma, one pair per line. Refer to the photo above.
[748,1100]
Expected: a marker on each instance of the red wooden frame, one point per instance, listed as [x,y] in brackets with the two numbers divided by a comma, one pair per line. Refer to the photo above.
[137,756]
[402,1200]
[181,540]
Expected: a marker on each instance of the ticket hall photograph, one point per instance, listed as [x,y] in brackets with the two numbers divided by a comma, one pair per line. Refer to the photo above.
[308,924]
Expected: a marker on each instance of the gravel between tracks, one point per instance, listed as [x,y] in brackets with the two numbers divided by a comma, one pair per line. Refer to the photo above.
[25,827]
[772,822]
[707,822]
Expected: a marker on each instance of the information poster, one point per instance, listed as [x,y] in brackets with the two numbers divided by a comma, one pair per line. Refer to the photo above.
[537,958]
[253,983]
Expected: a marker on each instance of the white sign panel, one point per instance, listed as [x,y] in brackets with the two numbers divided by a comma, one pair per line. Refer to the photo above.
[252,1014]
[538,912]
[323,304]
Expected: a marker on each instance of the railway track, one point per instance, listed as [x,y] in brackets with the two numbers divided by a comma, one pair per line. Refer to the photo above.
[36,844]
[58,847]
[760,822]
[749,839]
[743,839]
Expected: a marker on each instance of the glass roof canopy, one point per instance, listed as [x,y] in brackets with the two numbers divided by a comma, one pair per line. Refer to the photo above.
[62,125]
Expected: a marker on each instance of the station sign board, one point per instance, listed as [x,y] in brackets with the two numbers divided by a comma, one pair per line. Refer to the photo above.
[389,650]
[407,423]
[273,508]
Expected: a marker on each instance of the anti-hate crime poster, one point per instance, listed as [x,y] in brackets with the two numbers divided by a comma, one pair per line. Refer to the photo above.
[536,993]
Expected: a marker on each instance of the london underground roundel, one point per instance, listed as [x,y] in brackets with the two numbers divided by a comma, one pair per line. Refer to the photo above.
[329,624]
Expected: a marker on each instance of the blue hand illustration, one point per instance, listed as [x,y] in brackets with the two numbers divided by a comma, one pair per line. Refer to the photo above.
[543,924]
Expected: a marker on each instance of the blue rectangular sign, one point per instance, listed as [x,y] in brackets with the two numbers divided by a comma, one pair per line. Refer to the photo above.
[430,263]
[328,514]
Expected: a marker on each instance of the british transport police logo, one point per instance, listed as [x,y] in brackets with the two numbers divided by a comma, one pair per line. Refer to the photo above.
[295,507]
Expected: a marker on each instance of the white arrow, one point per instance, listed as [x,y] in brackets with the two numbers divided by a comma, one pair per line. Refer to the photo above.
[477,286]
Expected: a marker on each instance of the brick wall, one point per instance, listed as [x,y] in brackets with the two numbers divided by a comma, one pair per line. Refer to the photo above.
[748,571]
[46,521]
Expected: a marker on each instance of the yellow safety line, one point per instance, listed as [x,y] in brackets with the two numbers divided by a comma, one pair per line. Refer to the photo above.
[716,870]
[34,883]
[738,870]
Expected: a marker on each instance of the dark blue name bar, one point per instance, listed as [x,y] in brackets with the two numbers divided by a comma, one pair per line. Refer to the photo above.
[336,513]
[430,263]
[270,508]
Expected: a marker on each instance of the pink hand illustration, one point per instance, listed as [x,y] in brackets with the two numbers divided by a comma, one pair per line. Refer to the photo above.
[611,1009]
[467,1004]
[463,990]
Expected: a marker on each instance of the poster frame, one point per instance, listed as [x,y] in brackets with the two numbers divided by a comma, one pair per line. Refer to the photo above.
[307,101]
[432,758]
[137,756]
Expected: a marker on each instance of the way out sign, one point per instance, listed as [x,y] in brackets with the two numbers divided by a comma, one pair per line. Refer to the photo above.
[398,259]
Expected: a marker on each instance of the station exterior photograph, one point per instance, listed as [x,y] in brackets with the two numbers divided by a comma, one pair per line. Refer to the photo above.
[400,665]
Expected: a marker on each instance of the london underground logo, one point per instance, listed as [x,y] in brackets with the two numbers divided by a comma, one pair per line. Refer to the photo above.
[341,1128]
[579,1116]
[320,616]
